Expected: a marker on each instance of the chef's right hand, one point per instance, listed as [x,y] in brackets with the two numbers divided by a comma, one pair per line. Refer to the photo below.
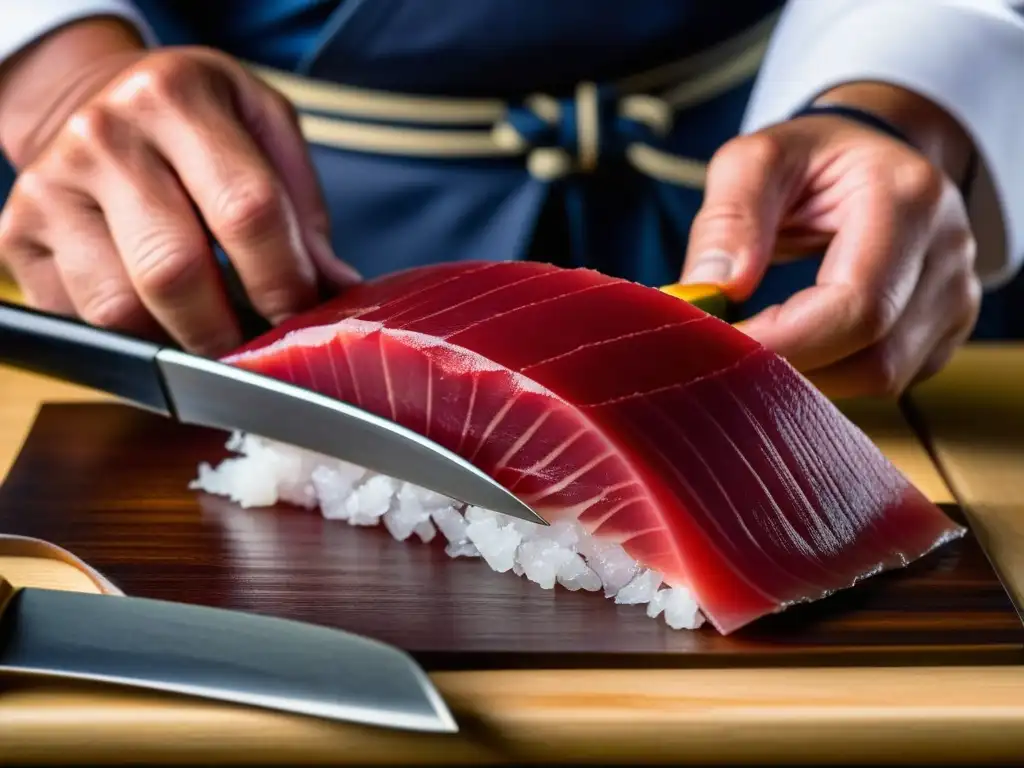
[107,221]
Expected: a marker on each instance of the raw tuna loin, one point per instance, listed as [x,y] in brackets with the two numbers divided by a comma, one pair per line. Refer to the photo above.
[655,425]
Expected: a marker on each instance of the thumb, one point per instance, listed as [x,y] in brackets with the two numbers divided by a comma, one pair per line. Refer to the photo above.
[733,234]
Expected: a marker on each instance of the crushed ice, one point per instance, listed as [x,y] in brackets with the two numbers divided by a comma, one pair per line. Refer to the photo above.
[563,553]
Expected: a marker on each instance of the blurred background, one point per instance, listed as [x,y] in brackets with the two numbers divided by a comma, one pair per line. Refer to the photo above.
[1002,313]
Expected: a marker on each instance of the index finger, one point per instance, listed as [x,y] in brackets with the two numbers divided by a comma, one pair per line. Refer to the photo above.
[866,278]
[241,198]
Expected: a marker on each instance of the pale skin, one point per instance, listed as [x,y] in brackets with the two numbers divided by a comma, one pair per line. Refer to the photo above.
[134,151]
[896,292]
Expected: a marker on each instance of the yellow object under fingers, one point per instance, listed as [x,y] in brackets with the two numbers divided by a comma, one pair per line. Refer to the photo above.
[9,290]
[703,295]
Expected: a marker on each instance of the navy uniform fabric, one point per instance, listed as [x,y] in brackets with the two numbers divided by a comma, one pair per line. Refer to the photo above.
[391,212]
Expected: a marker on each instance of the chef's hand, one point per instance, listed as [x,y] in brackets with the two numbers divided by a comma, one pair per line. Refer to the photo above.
[896,292]
[106,218]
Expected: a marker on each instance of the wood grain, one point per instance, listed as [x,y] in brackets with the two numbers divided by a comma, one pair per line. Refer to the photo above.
[973,416]
[922,716]
[120,501]
[30,562]
[22,393]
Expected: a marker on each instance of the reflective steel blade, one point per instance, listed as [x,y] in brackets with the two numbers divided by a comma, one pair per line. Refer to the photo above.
[218,654]
[208,393]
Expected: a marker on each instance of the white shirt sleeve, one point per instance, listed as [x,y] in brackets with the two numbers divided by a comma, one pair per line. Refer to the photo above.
[25,21]
[965,55]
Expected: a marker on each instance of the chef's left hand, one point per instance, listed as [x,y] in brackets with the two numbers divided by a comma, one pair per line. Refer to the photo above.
[896,291]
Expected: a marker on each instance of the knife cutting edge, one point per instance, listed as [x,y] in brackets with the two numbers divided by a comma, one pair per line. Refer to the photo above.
[202,392]
[216,654]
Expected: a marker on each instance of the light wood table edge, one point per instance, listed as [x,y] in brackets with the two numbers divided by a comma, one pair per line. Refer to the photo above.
[924,715]
[755,715]
[971,420]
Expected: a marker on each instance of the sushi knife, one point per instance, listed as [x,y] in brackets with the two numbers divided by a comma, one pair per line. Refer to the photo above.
[217,654]
[198,391]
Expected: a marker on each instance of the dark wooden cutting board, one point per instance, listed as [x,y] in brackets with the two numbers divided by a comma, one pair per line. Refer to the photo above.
[110,484]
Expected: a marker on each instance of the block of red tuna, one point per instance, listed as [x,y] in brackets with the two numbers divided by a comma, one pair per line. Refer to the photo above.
[653,424]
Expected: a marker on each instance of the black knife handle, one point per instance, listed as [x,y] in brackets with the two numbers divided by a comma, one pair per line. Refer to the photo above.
[78,353]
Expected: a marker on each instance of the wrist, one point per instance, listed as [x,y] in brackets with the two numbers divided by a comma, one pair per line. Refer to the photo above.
[42,85]
[929,127]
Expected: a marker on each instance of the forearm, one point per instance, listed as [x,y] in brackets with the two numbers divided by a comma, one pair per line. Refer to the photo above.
[932,130]
[41,86]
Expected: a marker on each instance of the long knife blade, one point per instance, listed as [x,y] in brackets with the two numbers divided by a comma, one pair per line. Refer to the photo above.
[195,390]
[208,393]
[217,654]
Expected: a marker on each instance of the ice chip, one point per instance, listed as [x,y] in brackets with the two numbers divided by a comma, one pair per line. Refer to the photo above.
[615,567]
[451,524]
[426,531]
[640,589]
[575,575]
[496,544]
[681,610]
[461,549]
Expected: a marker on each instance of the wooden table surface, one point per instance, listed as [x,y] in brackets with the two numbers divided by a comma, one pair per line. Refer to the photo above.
[975,419]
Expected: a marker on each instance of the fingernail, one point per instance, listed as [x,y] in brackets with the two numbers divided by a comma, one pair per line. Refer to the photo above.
[348,271]
[710,267]
[328,263]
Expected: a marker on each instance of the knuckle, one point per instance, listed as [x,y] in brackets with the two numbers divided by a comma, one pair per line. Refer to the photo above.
[111,305]
[762,149]
[967,294]
[94,124]
[91,130]
[886,377]
[9,239]
[20,226]
[165,267]
[13,220]
[876,313]
[249,209]
[32,188]
[965,246]
[962,289]
[162,79]
[921,183]
[11,252]
[975,295]
[75,157]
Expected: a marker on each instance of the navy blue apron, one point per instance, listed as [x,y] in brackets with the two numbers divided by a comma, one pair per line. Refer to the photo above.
[393,210]
[574,148]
